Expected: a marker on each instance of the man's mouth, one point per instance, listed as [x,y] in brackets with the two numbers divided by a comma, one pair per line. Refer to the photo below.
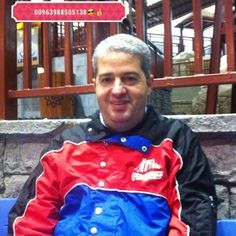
[120,105]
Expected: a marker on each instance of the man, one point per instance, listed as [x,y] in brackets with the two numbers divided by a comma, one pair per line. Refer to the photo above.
[126,172]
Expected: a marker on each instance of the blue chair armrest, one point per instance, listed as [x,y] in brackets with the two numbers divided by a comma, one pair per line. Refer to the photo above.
[226,227]
[5,206]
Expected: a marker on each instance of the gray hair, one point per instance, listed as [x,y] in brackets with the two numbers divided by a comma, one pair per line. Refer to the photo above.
[127,44]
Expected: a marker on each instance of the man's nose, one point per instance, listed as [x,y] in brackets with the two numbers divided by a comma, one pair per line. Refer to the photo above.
[118,86]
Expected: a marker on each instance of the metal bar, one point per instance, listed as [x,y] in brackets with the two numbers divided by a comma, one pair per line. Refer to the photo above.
[90,38]
[181,41]
[216,40]
[68,54]
[230,44]
[101,30]
[212,90]
[167,18]
[47,59]
[27,65]
[53,91]
[140,23]
[113,28]
[8,75]
[233,99]
[198,37]
[54,39]
[229,35]
[211,100]
[167,82]
[195,80]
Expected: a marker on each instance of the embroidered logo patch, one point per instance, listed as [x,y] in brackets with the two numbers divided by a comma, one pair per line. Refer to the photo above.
[148,169]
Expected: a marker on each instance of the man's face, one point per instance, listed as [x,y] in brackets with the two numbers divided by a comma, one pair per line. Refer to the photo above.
[122,90]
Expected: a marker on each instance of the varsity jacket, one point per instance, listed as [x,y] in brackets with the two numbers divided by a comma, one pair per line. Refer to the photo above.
[153,180]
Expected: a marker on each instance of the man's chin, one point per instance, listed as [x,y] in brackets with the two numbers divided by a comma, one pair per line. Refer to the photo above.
[119,118]
[119,110]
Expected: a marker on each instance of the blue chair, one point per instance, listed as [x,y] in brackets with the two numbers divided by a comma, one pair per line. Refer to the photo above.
[5,206]
[226,227]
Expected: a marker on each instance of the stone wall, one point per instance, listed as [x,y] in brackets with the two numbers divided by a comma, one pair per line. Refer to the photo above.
[22,141]
[223,100]
[160,99]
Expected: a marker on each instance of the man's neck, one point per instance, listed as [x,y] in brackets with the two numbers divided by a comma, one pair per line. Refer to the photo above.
[119,129]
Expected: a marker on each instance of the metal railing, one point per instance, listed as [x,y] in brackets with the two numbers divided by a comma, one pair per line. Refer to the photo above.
[93,33]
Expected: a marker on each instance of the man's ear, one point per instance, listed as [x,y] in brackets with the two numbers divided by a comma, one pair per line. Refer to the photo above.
[149,83]
[94,82]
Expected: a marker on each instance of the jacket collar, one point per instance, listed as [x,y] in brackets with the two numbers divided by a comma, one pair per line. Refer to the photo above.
[98,131]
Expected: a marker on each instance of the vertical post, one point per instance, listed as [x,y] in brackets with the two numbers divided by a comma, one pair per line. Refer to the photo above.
[212,90]
[101,30]
[198,37]
[233,99]
[113,28]
[27,66]
[230,45]
[89,35]
[47,56]
[68,54]
[140,19]
[181,41]
[54,39]
[229,35]
[167,18]
[8,75]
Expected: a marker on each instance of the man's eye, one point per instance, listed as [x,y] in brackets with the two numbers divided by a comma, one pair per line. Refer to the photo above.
[130,80]
[106,81]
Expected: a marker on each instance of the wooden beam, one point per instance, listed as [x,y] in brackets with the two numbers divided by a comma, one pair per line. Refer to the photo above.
[229,35]
[198,37]
[90,47]
[140,19]
[167,82]
[68,54]
[195,80]
[113,28]
[8,72]
[47,55]
[212,90]
[230,44]
[27,66]
[167,18]
[53,91]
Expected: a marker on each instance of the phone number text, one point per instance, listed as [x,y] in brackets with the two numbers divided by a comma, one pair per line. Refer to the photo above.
[60,12]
